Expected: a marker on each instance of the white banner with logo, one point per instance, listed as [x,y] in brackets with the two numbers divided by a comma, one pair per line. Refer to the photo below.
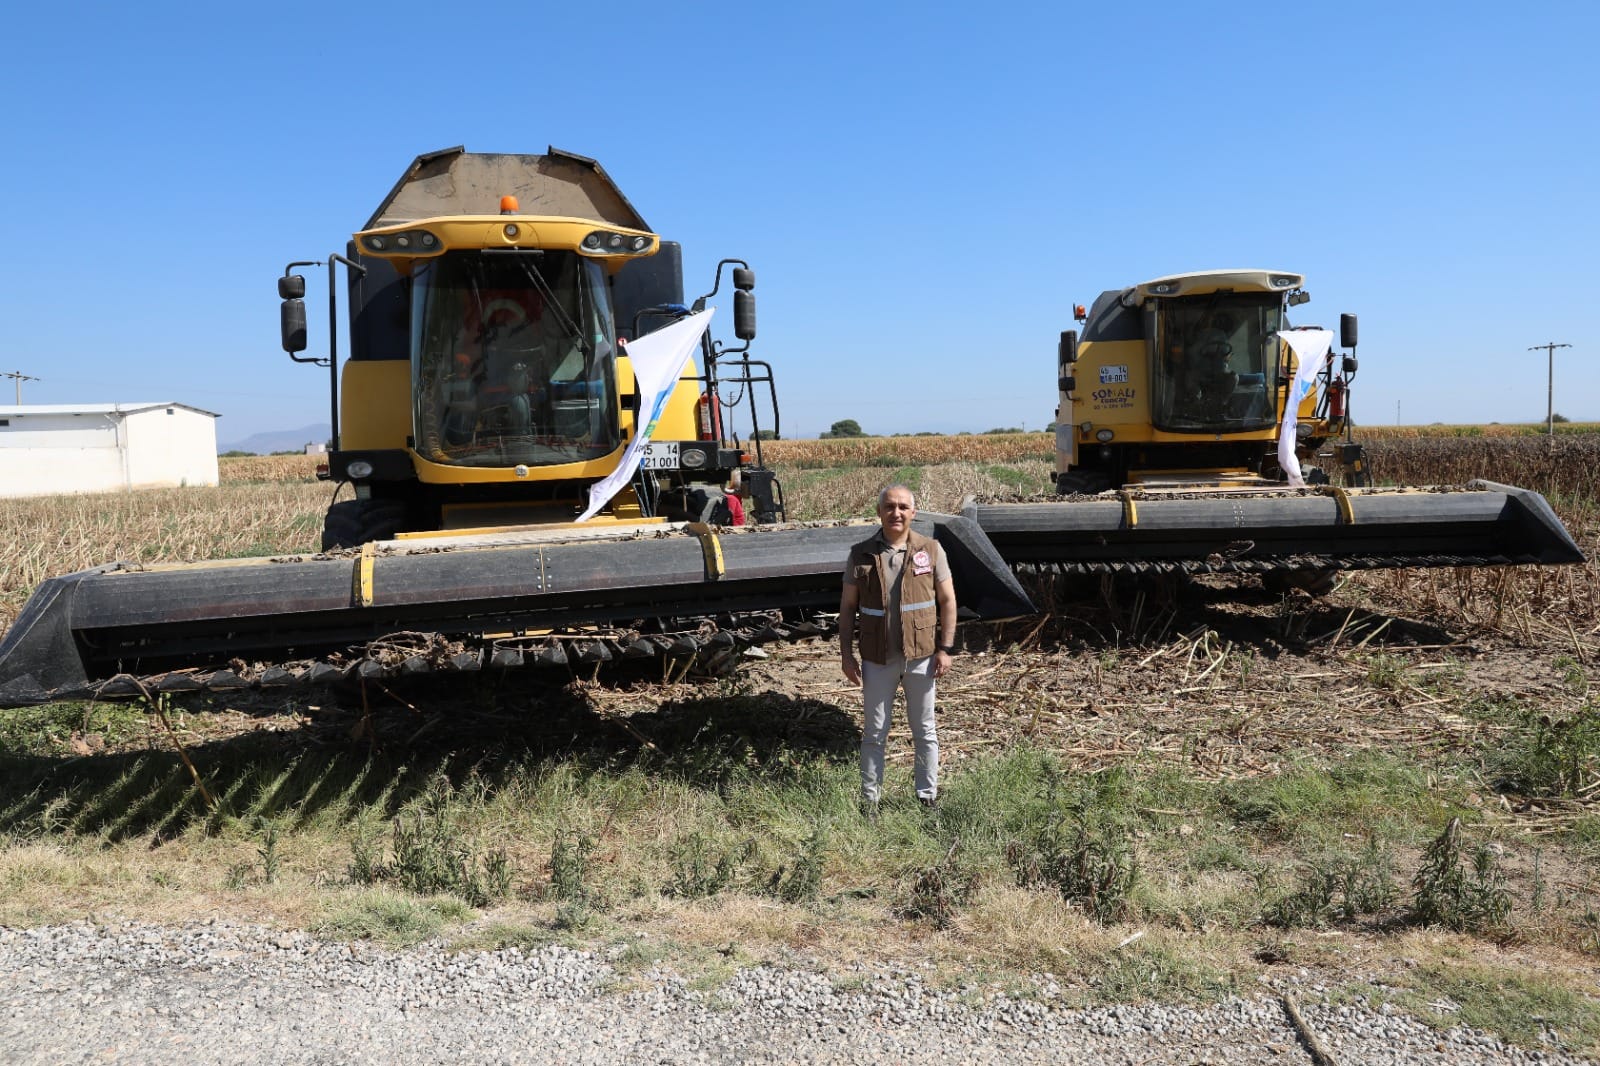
[1312,347]
[658,358]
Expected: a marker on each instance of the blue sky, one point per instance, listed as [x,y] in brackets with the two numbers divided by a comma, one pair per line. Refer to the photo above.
[924,191]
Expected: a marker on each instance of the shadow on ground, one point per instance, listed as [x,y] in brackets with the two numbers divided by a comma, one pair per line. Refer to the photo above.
[1091,614]
[377,754]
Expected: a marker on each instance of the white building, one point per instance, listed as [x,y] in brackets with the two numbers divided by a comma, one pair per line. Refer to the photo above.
[47,449]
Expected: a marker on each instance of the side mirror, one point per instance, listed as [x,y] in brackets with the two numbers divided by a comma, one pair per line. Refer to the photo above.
[1347,331]
[744,313]
[744,279]
[293,320]
[1067,352]
[292,287]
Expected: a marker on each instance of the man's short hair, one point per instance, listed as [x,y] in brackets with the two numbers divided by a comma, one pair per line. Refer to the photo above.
[883,494]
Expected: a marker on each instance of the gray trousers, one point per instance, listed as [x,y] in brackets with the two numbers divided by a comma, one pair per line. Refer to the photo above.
[878,685]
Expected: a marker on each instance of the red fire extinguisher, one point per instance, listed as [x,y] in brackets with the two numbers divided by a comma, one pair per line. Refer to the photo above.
[1336,399]
[708,417]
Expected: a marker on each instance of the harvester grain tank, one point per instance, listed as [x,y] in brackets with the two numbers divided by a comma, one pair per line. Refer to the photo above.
[500,311]
[1192,418]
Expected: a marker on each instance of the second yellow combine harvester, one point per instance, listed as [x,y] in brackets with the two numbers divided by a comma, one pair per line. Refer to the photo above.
[1186,409]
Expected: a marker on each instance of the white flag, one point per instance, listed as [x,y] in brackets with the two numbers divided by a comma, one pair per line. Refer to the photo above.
[658,358]
[1313,348]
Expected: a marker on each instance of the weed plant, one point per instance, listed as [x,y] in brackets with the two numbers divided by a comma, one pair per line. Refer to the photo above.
[1550,758]
[1454,896]
[1339,888]
[433,851]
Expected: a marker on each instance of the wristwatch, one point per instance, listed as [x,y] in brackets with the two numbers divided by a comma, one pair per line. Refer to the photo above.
[948,649]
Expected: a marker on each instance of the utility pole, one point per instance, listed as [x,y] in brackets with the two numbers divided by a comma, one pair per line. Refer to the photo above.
[1550,388]
[20,377]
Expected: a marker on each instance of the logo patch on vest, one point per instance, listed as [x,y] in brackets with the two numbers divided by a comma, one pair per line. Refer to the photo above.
[922,563]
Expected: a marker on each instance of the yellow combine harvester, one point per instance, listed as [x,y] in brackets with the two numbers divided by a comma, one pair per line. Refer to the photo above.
[522,488]
[490,383]
[1186,409]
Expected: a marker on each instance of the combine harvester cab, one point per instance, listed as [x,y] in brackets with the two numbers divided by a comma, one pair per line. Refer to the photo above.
[1186,411]
[533,469]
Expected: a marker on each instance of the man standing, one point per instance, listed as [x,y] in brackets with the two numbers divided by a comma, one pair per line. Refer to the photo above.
[898,583]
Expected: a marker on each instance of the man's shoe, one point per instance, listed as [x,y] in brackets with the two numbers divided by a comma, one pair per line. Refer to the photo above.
[869,811]
[929,802]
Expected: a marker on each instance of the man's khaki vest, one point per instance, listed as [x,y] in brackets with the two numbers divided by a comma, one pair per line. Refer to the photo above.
[919,607]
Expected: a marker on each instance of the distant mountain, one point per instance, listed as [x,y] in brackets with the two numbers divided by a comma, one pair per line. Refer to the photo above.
[280,440]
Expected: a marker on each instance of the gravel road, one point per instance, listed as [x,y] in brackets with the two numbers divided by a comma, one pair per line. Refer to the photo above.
[225,993]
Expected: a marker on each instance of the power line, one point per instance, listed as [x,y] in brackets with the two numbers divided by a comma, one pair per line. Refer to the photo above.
[20,377]
[1550,389]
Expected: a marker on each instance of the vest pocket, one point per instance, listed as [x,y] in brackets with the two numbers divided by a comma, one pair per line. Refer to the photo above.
[920,633]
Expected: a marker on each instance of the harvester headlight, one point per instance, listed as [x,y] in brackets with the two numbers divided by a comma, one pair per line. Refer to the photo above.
[607,242]
[1282,282]
[512,230]
[359,468]
[1103,435]
[401,243]
[1166,288]
[693,458]
[1302,430]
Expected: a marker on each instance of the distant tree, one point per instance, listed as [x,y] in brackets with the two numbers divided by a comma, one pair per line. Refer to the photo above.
[845,427]
[1559,417]
[764,434]
[235,454]
[1006,429]
[1050,427]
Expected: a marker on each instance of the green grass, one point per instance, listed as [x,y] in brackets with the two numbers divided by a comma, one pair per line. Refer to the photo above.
[1517,1006]
[51,728]
[390,918]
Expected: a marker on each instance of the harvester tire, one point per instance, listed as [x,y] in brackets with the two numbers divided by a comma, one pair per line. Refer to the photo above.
[352,523]
[1081,482]
[1316,583]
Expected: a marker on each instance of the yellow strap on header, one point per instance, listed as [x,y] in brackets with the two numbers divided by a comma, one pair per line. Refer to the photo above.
[1130,512]
[362,593]
[711,548]
[1347,512]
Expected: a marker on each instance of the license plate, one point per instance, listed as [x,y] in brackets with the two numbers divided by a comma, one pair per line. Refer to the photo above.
[660,455]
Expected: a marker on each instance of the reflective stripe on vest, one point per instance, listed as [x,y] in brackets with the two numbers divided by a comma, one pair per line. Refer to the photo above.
[918,606]
[871,611]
